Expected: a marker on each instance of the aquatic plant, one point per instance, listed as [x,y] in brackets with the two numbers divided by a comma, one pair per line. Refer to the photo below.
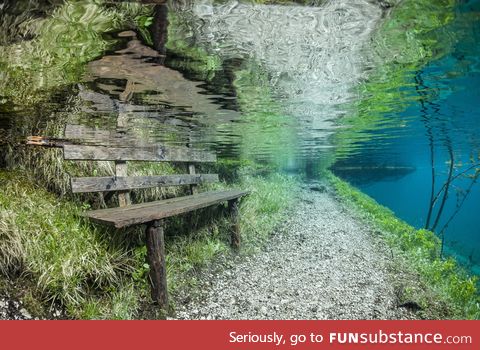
[461,175]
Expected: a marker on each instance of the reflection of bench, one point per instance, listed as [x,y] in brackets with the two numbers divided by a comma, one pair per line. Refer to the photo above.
[150,213]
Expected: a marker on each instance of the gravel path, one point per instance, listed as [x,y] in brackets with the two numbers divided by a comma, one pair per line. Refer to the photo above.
[321,264]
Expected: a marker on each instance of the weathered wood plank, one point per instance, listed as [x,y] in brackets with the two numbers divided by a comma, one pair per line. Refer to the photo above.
[152,153]
[146,212]
[119,183]
[156,259]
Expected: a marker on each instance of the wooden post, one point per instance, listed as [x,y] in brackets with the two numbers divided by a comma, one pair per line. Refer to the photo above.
[191,166]
[121,171]
[121,166]
[235,224]
[156,260]
[191,171]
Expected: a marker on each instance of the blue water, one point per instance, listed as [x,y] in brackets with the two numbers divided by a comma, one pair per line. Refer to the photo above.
[441,122]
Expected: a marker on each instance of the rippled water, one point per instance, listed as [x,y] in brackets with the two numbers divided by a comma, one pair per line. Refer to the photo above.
[311,57]
[281,76]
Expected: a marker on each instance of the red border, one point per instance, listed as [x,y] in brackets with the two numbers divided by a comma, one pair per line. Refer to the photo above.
[216,334]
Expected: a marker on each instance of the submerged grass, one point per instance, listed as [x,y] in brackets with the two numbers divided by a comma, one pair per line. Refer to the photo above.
[421,248]
[65,256]
[414,33]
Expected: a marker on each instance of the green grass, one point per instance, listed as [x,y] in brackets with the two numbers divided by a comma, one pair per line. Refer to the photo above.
[449,283]
[66,257]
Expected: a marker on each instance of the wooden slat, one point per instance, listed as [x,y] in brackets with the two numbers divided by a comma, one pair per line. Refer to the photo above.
[146,212]
[152,153]
[121,183]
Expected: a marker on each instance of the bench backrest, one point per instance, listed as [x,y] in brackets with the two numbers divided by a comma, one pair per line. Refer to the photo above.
[95,147]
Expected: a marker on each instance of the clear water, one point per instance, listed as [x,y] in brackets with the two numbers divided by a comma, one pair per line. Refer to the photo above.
[439,123]
[279,85]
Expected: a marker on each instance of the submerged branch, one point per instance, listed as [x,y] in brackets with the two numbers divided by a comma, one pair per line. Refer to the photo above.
[447,188]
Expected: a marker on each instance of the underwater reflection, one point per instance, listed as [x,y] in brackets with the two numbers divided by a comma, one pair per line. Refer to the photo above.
[155,101]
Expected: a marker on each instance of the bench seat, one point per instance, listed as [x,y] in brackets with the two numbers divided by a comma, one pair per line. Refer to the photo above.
[151,211]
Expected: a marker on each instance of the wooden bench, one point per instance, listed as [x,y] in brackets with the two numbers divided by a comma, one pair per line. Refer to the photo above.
[149,213]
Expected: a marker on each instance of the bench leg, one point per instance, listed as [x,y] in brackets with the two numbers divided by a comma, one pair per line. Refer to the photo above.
[156,260]
[235,226]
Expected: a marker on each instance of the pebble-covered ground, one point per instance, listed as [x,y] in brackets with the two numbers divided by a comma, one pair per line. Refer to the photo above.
[11,309]
[322,263]
[12,292]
